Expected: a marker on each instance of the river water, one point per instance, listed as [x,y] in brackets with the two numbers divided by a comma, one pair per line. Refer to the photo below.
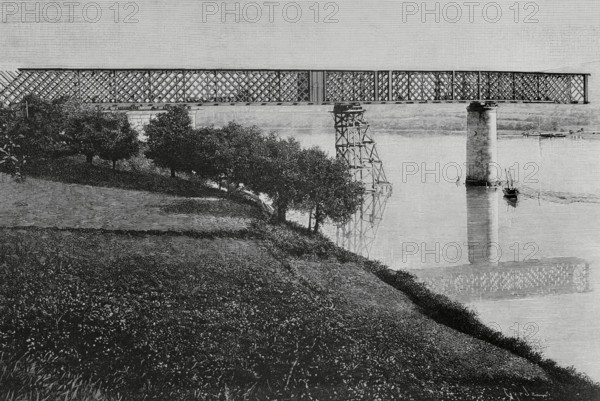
[530,269]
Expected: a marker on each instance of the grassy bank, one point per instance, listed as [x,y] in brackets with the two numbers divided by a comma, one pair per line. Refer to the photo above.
[263,312]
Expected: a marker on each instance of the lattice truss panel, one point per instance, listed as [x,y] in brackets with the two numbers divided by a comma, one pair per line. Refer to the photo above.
[271,86]
[342,86]
[534,279]
[354,144]
[360,232]
[157,86]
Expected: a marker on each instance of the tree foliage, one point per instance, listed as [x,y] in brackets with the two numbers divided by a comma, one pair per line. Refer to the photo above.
[171,142]
[84,132]
[93,132]
[277,173]
[36,126]
[118,140]
[328,187]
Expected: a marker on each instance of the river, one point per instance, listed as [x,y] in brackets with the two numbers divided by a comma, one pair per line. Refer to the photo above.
[478,248]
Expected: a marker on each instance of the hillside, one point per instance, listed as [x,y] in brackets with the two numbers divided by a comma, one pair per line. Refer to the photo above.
[109,292]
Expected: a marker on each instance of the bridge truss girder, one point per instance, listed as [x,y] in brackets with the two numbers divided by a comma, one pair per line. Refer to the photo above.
[130,89]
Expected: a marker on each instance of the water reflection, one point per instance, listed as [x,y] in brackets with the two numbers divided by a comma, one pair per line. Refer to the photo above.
[482,225]
[488,278]
[359,233]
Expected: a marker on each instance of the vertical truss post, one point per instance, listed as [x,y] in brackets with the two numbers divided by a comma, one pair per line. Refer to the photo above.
[184,91]
[514,86]
[586,83]
[279,97]
[78,73]
[115,90]
[150,97]
[376,88]
[317,86]
[453,84]
[390,86]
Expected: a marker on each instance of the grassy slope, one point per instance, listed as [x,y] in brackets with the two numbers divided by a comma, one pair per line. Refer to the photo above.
[269,313]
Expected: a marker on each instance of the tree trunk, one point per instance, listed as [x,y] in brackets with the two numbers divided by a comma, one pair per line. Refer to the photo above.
[114,164]
[89,158]
[317,218]
[172,173]
[281,213]
[310,219]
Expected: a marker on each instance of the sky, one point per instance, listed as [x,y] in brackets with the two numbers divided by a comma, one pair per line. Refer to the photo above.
[541,35]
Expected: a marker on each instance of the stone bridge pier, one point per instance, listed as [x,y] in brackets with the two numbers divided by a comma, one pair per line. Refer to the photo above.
[482,145]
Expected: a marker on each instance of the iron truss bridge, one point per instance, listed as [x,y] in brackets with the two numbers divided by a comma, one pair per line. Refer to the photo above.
[134,89]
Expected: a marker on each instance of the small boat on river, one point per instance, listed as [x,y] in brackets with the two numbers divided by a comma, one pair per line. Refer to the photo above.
[510,191]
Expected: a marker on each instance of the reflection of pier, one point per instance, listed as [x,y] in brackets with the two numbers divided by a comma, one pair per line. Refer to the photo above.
[359,233]
[482,224]
[487,278]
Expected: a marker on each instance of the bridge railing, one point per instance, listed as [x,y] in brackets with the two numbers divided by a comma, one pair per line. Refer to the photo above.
[290,86]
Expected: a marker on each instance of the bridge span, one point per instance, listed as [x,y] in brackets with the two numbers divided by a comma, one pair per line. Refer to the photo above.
[139,89]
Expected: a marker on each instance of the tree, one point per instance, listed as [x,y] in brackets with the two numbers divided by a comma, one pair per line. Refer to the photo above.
[209,145]
[277,173]
[240,148]
[328,187]
[84,132]
[36,126]
[171,140]
[117,140]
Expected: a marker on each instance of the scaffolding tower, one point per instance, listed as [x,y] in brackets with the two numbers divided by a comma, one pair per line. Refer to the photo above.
[354,144]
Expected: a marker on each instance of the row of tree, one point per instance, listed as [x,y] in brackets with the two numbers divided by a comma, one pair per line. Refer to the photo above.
[36,128]
[294,178]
